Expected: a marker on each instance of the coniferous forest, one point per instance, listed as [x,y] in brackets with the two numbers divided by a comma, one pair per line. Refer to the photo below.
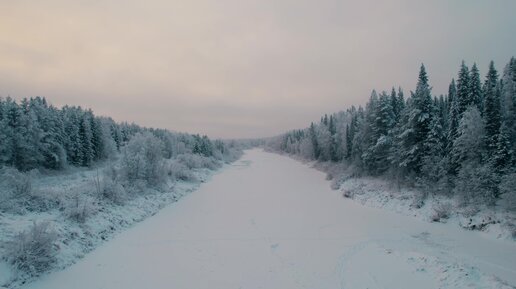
[460,144]
[35,134]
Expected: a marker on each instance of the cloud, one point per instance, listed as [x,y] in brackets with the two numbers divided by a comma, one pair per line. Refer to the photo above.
[239,68]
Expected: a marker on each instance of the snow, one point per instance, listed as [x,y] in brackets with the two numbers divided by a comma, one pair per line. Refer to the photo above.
[271,222]
[77,239]
[381,193]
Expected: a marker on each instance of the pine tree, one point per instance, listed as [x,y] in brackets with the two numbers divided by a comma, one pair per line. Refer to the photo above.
[463,89]
[385,116]
[453,115]
[350,134]
[8,124]
[376,155]
[476,96]
[434,169]
[333,139]
[401,100]
[492,113]
[396,109]
[86,144]
[315,143]
[420,117]
[502,157]
[96,136]
[508,98]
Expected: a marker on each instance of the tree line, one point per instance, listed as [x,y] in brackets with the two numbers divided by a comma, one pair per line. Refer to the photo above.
[461,143]
[35,134]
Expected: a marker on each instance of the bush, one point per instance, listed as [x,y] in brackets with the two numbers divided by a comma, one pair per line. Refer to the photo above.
[418,200]
[193,161]
[113,191]
[476,184]
[79,208]
[507,189]
[179,171]
[347,194]
[15,190]
[18,183]
[142,159]
[441,212]
[33,251]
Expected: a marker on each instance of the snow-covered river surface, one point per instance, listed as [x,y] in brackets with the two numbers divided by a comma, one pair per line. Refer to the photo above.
[268,221]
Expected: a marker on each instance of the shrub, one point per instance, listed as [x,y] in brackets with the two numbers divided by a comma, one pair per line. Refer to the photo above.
[20,184]
[33,251]
[441,212]
[347,194]
[193,161]
[179,171]
[113,191]
[476,184]
[418,200]
[142,159]
[507,189]
[79,208]
[15,190]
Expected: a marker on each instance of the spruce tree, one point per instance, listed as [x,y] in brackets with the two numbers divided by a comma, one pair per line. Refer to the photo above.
[463,89]
[502,156]
[476,96]
[315,143]
[86,144]
[453,115]
[401,100]
[418,126]
[508,98]
[396,109]
[492,112]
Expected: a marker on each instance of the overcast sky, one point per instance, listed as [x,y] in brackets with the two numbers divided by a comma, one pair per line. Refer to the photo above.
[238,68]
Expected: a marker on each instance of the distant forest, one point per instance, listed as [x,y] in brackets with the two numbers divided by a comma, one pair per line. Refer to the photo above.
[35,134]
[460,144]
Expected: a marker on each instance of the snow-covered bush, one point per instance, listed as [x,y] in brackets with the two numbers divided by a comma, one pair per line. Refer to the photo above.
[32,251]
[79,208]
[16,191]
[194,161]
[347,194]
[113,191]
[19,183]
[474,185]
[142,159]
[179,171]
[508,191]
[441,211]
[232,154]
[418,200]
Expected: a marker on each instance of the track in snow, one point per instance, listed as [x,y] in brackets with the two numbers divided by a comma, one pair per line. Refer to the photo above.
[271,222]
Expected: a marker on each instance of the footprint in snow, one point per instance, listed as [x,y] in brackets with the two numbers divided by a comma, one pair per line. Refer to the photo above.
[274,246]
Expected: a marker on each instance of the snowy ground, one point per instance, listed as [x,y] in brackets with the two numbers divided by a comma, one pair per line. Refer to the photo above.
[380,193]
[76,239]
[271,222]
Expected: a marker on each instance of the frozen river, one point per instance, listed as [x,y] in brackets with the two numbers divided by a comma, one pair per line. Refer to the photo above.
[268,221]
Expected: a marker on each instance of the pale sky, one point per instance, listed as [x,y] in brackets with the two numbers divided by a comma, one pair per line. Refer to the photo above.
[238,68]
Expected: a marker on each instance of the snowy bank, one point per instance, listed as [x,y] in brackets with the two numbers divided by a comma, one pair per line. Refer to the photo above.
[76,237]
[383,193]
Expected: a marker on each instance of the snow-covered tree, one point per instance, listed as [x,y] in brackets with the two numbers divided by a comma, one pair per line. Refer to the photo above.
[492,110]
[476,95]
[463,89]
[418,126]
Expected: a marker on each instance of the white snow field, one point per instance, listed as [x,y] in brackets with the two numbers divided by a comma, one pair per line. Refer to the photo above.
[271,222]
